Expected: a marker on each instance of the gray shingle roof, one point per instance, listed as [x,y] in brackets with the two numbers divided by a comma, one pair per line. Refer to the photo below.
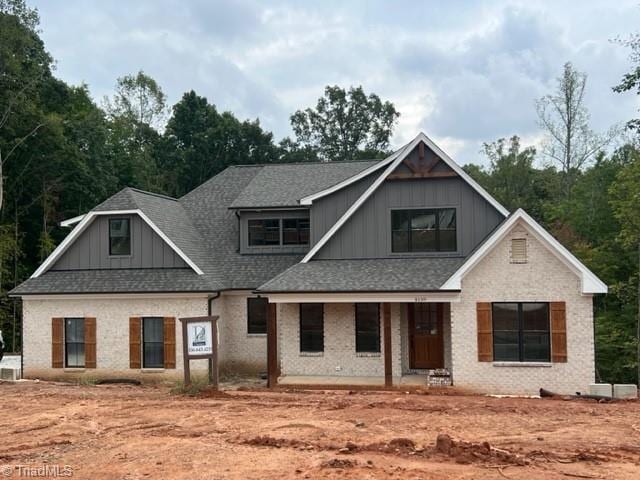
[370,275]
[115,281]
[283,185]
[205,228]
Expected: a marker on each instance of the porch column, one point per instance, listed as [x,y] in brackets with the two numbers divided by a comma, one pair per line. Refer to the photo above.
[273,365]
[386,318]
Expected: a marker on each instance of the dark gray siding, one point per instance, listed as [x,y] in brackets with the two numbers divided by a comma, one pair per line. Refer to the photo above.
[327,210]
[90,251]
[367,234]
[244,231]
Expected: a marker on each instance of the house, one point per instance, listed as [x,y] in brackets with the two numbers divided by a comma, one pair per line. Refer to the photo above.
[389,272]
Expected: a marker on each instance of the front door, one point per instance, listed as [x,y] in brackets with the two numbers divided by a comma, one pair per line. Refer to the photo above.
[426,342]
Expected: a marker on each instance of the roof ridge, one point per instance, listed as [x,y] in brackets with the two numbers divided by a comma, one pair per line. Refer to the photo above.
[154,194]
[279,164]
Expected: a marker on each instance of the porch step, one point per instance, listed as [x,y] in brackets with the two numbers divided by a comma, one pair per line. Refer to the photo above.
[438,377]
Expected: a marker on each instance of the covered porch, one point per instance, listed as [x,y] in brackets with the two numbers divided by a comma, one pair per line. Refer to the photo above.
[407,341]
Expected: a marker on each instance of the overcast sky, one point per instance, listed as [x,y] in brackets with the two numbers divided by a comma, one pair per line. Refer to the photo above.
[462,72]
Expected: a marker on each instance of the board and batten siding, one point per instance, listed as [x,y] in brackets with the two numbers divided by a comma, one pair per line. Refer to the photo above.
[327,210]
[367,234]
[90,251]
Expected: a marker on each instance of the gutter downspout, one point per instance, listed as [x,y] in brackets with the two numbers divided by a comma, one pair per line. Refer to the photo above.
[210,300]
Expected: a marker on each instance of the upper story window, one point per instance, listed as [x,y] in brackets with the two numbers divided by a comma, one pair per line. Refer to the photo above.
[277,232]
[295,231]
[264,232]
[423,230]
[119,236]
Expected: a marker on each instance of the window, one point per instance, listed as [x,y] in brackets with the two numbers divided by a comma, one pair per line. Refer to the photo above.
[311,327]
[119,236]
[264,232]
[153,342]
[295,231]
[367,327]
[257,315]
[519,250]
[521,332]
[421,230]
[74,342]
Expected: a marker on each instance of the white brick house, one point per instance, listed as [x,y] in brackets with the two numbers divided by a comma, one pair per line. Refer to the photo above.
[388,272]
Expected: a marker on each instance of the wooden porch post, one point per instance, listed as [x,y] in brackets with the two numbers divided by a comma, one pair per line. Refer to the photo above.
[386,316]
[273,366]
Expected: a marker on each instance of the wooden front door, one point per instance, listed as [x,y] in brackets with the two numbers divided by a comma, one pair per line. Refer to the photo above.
[426,342]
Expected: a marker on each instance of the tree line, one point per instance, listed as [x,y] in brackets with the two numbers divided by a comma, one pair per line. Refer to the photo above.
[61,153]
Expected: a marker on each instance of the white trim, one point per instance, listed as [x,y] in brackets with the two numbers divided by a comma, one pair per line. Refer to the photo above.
[112,296]
[72,221]
[365,297]
[590,282]
[400,155]
[308,200]
[84,223]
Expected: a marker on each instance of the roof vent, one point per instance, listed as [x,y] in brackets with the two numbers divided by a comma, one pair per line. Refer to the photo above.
[519,250]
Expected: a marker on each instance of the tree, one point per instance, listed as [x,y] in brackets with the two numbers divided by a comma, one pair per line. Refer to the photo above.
[625,200]
[135,113]
[199,142]
[24,65]
[631,80]
[511,173]
[346,123]
[563,115]
[139,98]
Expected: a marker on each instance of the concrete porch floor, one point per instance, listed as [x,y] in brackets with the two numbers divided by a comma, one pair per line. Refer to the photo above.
[409,380]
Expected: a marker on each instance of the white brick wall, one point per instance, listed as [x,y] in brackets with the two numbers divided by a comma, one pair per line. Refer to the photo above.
[339,344]
[239,352]
[544,278]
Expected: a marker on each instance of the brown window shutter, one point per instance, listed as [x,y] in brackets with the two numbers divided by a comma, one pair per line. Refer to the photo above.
[57,347]
[485,332]
[169,342]
[90,342]
[558,313]
[134,342]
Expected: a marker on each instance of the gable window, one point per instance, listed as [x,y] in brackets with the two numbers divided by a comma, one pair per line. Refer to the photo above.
[74,342]
[368,327]
[311,327]
[257,315]
[153,342]
[264,232]
[295,231]
[521,332]
[423,230]
[119,236]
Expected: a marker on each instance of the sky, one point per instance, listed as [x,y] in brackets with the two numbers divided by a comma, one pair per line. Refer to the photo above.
[462,72]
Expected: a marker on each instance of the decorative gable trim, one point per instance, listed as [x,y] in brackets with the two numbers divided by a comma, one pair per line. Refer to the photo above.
[392,163]
[589,281]
[86,221]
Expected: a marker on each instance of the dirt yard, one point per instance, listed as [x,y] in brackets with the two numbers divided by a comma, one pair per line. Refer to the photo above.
[128,432]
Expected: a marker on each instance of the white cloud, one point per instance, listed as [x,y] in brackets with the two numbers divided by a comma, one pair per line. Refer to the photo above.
[463,73]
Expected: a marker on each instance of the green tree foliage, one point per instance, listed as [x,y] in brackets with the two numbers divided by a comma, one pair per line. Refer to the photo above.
[199,142]
[346,125]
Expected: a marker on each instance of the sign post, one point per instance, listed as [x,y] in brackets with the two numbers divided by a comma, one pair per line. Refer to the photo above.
[200,341]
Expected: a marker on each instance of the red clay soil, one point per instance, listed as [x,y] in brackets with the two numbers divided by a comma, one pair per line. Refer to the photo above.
[128,432]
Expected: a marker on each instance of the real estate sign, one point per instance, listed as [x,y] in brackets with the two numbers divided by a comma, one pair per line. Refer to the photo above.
[198,335]
[199,338]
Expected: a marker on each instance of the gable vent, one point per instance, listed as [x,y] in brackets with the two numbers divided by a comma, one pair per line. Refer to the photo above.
[519,250]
